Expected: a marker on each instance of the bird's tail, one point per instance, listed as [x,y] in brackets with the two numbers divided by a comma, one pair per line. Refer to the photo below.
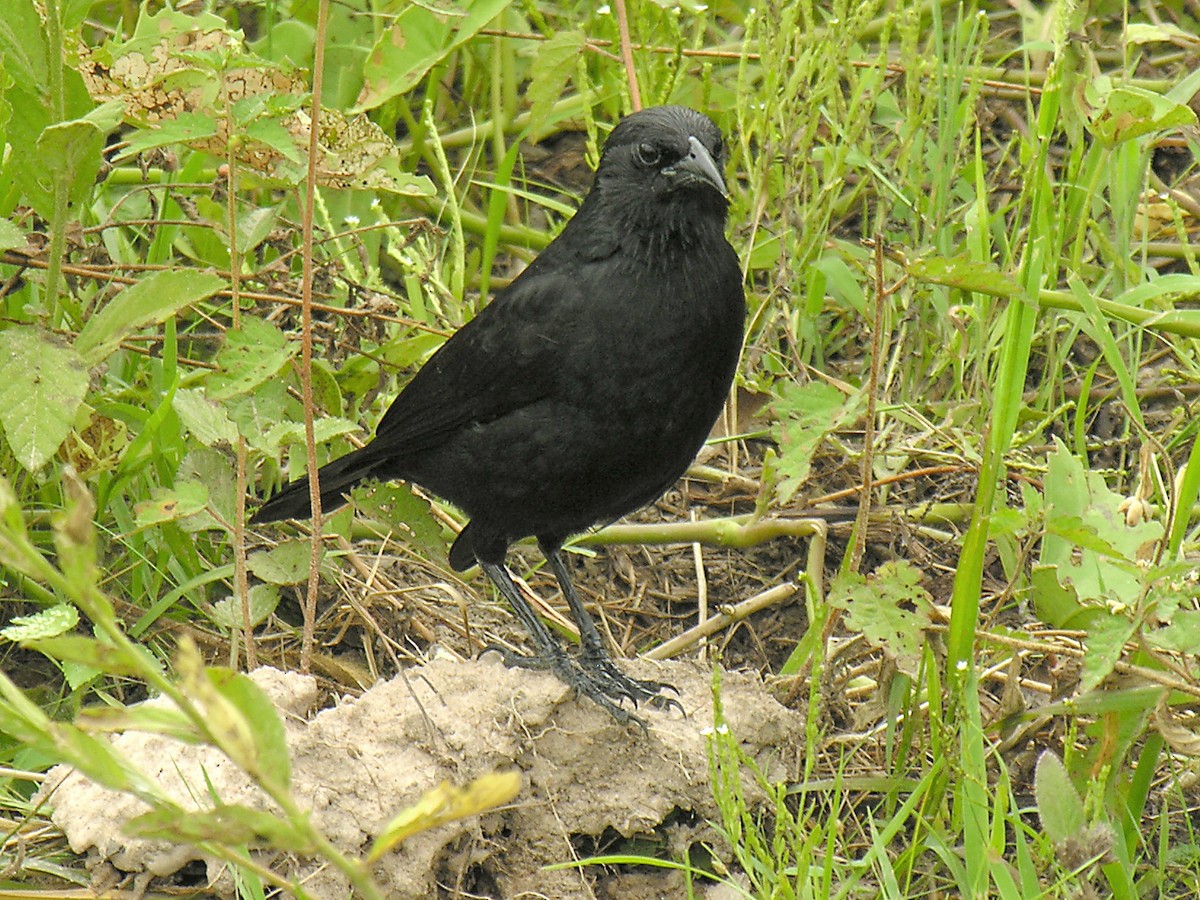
[337,478]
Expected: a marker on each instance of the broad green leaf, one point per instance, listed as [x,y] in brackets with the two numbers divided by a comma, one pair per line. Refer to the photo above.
[1161,32]
[42,384]
[1087,539]
[251,356]
[10,235]
[256,413]
[397,506]
[1181,636]
[292,434]
[805,414]
[286,563]
[890,608]
[150,718]
[212,470]
[207,421]
[226,724]
[1124,702]
[1106,638]
[1125,111]
[186,128]
[154,299]
[187,498]
[420,36]
[71,150]
[327,394]
[44,624]
[556,61]
[263,599]
[766,250]
[23,39]
[96,758]
[254,226]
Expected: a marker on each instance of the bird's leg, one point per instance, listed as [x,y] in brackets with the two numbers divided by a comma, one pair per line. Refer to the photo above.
[550,654]
[593,656]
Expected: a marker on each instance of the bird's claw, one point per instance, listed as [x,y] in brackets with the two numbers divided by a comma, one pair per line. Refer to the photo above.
[598,679]
[617,683]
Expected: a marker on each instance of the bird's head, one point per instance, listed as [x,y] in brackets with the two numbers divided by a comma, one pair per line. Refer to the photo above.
[671,153]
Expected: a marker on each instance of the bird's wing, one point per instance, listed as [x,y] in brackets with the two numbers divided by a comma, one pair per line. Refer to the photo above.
[506,358]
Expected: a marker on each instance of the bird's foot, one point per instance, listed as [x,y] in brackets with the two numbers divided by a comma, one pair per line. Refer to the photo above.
[617,683]
[604,684]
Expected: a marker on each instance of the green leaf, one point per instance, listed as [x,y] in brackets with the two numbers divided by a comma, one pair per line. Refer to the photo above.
[1124,111]
[187,498]
[211,470]
[23,38]
[96,655]
[44,624]
[766,251]
[890,608]
[96,758]
[150,718]
[70,151]
[1181,636]
[185,128]
[272,761]
[556,61]
[251,356]
[1105,642]
[966,274]
[327,394]
[254,226]
[263,598]
[286,563]
[10,235]
[272,134]
[805,414]
[397,506]
[1057,603]
[1087,539]
[154,299]
[225,824]
[226,725]
[205,420]
[292,434]
[42,384]
[1162,32]
[1058,803]
[256,413]
[420,36]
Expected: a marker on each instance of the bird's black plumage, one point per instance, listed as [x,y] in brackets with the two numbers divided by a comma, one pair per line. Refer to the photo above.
[585,389]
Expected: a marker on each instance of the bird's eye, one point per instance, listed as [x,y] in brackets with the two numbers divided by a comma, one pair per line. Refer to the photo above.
[648,154]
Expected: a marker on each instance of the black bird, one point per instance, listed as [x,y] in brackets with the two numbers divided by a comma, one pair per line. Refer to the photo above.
[585,389]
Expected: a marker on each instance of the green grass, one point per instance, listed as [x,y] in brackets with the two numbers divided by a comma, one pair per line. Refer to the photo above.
[1032,321]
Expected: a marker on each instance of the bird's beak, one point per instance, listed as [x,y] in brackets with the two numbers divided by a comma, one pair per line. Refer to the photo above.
[698,165]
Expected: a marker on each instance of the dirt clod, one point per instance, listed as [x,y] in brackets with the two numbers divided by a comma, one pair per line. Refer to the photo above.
[358,763]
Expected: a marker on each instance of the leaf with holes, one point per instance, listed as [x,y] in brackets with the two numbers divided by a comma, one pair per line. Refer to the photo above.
[890,609]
